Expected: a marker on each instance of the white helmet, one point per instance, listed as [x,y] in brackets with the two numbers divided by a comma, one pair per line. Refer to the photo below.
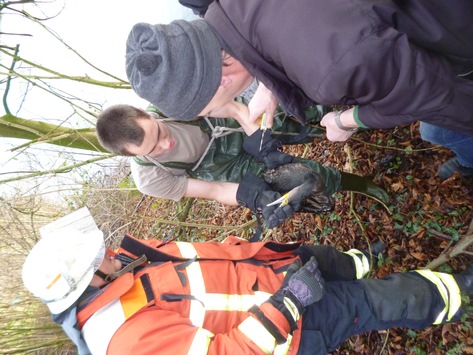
[61,265]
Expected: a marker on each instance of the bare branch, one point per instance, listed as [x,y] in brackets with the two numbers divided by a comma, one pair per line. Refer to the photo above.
[75,52]
[83,79]
[7,87]
[57,171]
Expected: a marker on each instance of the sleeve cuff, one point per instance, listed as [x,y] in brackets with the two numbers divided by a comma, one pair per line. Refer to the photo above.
[277,318]
[357,119]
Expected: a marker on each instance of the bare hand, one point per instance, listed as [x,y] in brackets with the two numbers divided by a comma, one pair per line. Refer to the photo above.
[334,133]
[263,102]
[238,111]
[231,109]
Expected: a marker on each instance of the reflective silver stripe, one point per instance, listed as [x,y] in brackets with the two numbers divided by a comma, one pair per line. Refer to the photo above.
[255,331]
[187,250]
[283,348]
[225,302]
[201,342]
[196,283]
[105,322]
[291,307]
[362,266]
[449,291]
[454,293]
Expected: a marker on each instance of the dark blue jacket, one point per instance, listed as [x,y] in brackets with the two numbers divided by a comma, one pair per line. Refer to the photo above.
[397,60]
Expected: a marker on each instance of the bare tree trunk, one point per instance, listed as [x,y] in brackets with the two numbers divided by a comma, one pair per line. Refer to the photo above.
[42,132]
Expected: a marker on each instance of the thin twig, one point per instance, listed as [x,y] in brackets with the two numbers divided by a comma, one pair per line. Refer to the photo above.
[57,171]
[7,86]
[439,234]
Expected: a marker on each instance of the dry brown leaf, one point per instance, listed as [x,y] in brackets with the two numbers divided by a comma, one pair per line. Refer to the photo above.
[397,186]
[419,234]
[419,256]
[467,350]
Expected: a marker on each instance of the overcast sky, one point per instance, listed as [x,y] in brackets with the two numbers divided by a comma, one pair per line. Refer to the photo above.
[98,31]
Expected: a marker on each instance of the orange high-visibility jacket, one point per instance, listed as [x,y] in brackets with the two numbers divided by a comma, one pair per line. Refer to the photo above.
[195,300]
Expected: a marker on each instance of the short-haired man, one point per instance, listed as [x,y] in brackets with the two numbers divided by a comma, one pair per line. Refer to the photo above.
[397,62]
[233,297]
[206,158]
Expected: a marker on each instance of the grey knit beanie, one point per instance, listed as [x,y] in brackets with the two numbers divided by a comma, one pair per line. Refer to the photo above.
[176,67]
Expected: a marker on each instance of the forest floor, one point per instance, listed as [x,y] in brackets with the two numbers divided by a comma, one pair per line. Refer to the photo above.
[427,216]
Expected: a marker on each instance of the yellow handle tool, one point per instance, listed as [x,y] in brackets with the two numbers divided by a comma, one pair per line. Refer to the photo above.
[263,127]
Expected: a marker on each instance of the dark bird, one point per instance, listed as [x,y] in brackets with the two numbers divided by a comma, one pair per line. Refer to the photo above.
[299,184]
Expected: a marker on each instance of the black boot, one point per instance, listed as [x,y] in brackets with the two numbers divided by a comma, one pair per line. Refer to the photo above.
[363,185]
[465,281]
[452,166]
[376,248]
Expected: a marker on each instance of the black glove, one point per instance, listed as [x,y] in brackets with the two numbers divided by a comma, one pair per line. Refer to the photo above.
[270,153]
[306,286]
[255,194]
[291,270]
[302,287]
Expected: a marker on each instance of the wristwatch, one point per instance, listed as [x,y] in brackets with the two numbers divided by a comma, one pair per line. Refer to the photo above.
[339,124]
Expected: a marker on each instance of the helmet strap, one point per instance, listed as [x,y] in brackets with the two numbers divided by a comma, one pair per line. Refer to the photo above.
[101,274]
[114,275]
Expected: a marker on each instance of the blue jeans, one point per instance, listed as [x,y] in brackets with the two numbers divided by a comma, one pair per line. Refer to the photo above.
[460,144]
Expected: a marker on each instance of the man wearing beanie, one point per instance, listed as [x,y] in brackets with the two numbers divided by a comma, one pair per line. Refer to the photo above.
[395,62]
[178,63]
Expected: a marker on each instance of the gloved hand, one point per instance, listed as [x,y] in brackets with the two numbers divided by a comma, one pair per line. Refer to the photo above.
[300,288]
[270,153]
[255,194]
[291,270]
[306,286]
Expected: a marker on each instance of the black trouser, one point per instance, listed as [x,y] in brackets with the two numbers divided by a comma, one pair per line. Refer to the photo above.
[353,307]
